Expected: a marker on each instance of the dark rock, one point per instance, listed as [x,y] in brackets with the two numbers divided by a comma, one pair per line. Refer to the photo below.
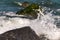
[42,37]
[25,33]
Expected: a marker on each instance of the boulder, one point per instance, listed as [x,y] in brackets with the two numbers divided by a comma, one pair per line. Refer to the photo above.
[25,33]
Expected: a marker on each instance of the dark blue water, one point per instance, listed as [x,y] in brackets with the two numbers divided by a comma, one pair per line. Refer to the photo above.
[8,5]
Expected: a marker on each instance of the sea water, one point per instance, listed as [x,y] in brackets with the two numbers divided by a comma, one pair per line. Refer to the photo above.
[49,24]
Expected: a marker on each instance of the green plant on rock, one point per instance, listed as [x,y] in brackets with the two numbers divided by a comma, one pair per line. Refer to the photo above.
[29,11]
[34,6]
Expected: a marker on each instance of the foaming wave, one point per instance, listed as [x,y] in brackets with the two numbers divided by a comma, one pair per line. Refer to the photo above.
[45,25]
[42,25]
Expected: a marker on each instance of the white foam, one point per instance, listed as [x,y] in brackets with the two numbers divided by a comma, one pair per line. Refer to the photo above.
[43,25]
[46,26]
[58,10]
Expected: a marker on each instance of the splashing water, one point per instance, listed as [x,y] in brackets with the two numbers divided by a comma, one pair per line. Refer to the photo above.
[43,25]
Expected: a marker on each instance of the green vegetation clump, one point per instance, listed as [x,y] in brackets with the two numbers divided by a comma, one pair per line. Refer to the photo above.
[29,11]
[34,6]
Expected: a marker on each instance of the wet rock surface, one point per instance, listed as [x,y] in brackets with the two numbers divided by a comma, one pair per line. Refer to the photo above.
[25,33]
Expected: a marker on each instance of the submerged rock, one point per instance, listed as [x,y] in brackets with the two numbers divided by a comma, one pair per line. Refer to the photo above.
[29,11]
[25,4]
[25,33]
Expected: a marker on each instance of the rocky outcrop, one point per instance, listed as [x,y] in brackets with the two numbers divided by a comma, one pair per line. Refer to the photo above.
[25,33]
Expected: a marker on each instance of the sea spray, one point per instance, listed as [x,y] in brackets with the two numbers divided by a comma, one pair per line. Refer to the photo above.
[46,26]
[43,25]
